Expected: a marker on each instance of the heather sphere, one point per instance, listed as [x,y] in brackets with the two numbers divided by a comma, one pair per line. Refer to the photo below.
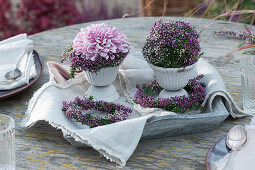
[172,44]
[100,40]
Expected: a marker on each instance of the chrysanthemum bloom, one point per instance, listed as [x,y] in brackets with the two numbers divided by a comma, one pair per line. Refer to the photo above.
[100,40]
[96,47]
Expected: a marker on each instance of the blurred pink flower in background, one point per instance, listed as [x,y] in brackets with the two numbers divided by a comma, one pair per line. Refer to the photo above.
[33,16]
[40,15]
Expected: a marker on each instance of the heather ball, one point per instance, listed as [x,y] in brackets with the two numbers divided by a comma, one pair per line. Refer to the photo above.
[172,44]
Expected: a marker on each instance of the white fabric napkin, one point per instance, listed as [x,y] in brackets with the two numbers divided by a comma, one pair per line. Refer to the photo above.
[135,70]
[11,50]
[116,141]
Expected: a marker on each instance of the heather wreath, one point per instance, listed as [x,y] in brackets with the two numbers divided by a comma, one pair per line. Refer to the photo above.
[96,47]
[145,96]
[172,44]
[80,110]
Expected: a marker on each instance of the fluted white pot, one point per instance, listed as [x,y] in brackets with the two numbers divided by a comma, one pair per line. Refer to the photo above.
[173,80]
[101,84]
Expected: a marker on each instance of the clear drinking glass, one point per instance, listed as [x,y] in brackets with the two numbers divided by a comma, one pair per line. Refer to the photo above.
[248,83]
[7,148]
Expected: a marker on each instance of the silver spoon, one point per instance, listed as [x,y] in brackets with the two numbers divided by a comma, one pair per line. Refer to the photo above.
[236,140]
[12,75]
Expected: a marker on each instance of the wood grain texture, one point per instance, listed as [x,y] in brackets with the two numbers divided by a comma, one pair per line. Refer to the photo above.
[43,147]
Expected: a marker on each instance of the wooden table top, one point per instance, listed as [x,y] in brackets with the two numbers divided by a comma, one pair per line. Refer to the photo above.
[43,147]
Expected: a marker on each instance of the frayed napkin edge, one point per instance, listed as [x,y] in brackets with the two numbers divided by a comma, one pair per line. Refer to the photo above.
[77,138]
[71,82]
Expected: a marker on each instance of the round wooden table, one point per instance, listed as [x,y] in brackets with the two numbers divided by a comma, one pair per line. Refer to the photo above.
[43,147]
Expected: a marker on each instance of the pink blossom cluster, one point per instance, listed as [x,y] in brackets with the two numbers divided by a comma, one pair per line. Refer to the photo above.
[7,25]
[33,16]
[100,40]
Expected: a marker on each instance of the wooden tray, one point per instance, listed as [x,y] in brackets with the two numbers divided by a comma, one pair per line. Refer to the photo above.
[175,125]
[39,68]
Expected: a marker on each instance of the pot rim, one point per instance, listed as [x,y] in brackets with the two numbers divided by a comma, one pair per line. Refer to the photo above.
[102,69]
[181,69]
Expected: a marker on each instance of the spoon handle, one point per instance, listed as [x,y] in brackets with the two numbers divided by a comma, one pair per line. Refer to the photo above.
[28,49]
[229,164]
[28,66]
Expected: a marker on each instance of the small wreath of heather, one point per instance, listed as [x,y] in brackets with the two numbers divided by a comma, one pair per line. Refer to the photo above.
[195,88]
[173,44]
[76,110]
[96,47]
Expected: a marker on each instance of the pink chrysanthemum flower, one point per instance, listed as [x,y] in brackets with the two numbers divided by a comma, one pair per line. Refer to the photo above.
[96,47]
[100,40]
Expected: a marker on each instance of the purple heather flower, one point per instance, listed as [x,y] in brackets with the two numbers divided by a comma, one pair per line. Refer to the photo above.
[77,110]
[176,104]
[172,44]
[248,35]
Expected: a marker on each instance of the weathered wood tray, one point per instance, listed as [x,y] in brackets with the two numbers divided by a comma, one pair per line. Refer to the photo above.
[175,125]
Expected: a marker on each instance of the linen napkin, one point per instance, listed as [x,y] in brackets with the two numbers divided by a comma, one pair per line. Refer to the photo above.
[11,51]
[135,70]
[116,141]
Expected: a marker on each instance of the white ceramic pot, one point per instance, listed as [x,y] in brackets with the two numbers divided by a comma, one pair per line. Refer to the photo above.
[101,88]
[102,78]
[173,80]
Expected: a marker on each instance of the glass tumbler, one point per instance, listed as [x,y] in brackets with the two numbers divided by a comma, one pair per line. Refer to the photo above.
[7,147]
[248,83]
